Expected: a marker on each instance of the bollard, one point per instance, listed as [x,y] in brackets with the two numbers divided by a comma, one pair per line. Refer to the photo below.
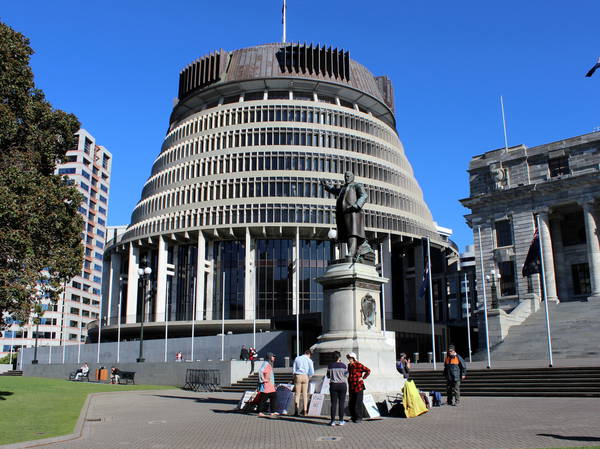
[416,357]
[430,357]
[286,361]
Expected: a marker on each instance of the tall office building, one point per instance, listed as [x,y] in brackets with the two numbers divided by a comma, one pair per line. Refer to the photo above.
[232,220]
[88,167]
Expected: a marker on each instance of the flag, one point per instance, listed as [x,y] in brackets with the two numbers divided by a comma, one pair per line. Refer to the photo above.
[425,281]
[533,263]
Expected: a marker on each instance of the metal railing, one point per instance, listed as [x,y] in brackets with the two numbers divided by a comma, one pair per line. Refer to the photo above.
[202,380]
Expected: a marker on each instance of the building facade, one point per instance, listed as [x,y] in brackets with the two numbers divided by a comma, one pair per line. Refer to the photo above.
[88,167]
[557,182]
[232,220]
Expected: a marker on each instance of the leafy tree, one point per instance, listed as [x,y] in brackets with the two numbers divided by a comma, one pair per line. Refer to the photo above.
[40,228]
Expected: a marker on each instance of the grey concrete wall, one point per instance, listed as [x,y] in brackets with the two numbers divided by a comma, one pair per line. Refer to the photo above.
[205,349]
[171,373]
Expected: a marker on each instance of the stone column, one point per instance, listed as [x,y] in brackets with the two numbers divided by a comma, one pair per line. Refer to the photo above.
[161,281]
[132,283]
[386,272]
[210,281]
[593,247]
[200,274]
[249,293]
[114,292]
[548,256]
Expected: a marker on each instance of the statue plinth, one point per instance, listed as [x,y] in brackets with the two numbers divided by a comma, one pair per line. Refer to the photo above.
[352,323]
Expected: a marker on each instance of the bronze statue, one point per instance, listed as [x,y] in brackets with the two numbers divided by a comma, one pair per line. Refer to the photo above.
[349,214]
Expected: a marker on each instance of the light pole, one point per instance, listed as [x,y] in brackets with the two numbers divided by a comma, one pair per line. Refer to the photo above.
[37,313]
[144,274]
[493,278]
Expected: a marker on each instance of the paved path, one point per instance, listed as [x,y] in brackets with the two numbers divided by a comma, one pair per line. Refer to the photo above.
[180,419]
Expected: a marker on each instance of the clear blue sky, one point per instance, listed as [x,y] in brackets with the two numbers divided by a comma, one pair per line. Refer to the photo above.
[115,64]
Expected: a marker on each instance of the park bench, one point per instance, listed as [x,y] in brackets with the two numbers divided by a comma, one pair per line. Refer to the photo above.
[202,380]
[126,376]
[73,376]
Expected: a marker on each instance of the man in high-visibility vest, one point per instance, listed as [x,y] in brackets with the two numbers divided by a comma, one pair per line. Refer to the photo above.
[455,370]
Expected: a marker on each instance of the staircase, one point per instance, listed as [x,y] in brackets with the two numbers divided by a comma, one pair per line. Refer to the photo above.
[12,373]
[532,382]
[574,327]
[282,376]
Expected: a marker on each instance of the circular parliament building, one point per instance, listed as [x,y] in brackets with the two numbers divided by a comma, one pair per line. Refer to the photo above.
[233,222]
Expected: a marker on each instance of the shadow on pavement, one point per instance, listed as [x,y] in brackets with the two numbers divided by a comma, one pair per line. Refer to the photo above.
[203,400]
[313,421]
[572,438]
[5,393]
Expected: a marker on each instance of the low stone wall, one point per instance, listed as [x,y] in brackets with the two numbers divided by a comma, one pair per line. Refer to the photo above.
[5,367]
[171,373]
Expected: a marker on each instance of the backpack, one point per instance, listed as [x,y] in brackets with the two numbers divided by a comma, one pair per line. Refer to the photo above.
[436,398]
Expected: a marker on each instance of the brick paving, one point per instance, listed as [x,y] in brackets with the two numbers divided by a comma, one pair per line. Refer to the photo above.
[181,419]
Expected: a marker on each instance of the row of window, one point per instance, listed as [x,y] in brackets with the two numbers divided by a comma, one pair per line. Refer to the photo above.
[261,137]
[208,121]
[270,160]
[259,187]
[269,213]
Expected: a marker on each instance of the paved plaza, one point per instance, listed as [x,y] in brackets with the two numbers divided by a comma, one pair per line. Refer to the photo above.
[182,419]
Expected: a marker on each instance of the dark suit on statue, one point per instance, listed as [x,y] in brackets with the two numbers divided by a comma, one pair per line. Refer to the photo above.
[350,221]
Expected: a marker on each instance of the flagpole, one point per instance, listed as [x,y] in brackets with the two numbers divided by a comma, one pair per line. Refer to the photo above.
[119,319]
[193,325]
[485,316]
[431,305]
[504,123]
[543,273]
[297,269]
[166,327]
[468,309]
[284,13]
[223,320]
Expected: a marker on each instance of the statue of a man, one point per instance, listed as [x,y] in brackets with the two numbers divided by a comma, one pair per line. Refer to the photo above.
[349,215]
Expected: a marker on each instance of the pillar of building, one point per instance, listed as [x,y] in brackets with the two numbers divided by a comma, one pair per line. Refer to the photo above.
[161,281]
[386,272]
[249,293]
[593,247]
[200,274]
[132,283]
[548,256]
[296,272]
[210,280]
[114,291]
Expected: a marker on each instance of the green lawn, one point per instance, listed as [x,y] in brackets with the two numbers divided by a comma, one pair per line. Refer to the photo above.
[32,407]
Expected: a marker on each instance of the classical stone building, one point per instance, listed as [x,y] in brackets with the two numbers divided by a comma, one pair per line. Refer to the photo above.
[559,182]
[232,220]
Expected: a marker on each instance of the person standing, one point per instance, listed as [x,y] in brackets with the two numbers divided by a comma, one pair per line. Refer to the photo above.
[179,357]
[455,370]
[244,353]
[337,373]
[403,365]
[357,372]
[303,369]
[252,356]
[266,384]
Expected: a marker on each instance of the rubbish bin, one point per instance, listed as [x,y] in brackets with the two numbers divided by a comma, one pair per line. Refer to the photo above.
[416,357]
[430,357]
[101,374]
[286,361]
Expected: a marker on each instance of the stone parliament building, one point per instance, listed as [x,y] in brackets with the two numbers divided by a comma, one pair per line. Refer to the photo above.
[560,182]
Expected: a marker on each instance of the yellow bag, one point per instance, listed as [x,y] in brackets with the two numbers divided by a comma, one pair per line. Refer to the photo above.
[412,401]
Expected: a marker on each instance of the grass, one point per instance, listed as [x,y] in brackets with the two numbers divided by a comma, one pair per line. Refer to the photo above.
[32,407]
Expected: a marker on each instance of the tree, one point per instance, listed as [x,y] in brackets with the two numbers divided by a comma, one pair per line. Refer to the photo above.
[40,227]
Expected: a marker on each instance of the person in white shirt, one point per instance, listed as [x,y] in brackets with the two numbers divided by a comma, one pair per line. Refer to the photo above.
[83,371]
[303,370]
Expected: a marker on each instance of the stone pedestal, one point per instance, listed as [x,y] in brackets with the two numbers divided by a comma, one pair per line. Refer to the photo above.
[352,323]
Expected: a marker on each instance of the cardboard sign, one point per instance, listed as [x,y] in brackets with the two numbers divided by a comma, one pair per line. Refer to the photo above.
[325,386]
[371,406]
[246,397]
[316,404]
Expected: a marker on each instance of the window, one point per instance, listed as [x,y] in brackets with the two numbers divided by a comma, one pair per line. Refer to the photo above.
[98,256]
[102,210]
[559,166]
[87,146]
[74,311]
[99,244]
[67,171]
[507,278]
[85,174]
[503,233]
[100,233]
[103,188]
[75,298]
[85,313]
[581,279]
[101,221]
[84,186]
[76,284]
[98,279]
[97,267]
[85,300]
[103,199]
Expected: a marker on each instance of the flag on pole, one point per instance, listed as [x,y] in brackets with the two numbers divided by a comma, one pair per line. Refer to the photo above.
[533,263]
[425,281]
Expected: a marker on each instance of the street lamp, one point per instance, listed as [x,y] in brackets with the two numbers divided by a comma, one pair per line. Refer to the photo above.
[493,276]
[37,313]
[144,274]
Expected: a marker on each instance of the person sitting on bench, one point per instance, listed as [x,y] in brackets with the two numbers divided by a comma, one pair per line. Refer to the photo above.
[114,375]
[83,371]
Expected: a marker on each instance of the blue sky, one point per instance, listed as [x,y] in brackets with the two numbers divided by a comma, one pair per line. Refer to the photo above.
[115,64]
